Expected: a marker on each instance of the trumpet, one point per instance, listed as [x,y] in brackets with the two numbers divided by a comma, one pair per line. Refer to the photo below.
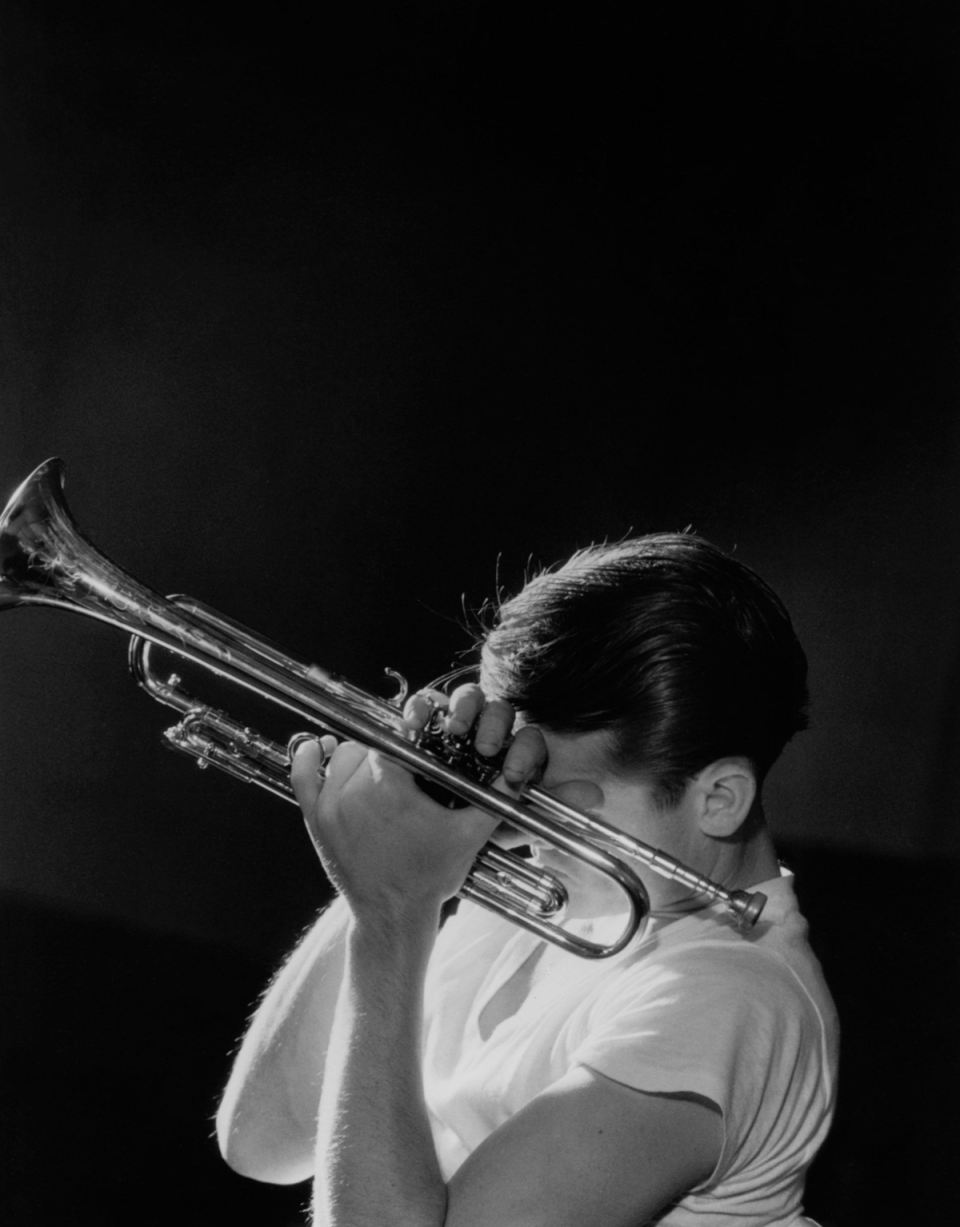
[46,560]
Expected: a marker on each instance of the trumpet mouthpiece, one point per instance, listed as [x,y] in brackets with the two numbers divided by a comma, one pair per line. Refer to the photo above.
[748,907]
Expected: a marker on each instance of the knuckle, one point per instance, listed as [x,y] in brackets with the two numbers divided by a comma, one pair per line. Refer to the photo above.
[497,713]
[421,705]
[469,692]
[531,740]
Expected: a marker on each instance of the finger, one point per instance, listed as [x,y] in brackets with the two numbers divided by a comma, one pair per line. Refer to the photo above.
[466,704]
[420,707]
[306,778]
[328,743]
[526,756]
[345,761]
[494,726]
[309,773]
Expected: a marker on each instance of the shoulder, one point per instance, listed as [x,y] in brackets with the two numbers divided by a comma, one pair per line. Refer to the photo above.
[701,1007]
[708,987]
[703,966]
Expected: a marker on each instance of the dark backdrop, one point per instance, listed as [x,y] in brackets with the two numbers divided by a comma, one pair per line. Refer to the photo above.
[343,317]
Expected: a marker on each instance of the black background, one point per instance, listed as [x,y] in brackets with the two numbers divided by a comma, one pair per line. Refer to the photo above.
[343,318]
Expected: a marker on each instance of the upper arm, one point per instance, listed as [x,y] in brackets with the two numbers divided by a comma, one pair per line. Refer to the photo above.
[587,1150]
[266,1121]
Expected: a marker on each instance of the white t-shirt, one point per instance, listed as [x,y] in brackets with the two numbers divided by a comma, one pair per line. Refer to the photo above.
[692,1006]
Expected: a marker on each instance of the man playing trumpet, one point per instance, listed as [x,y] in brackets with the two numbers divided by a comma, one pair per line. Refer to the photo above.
[472,1075]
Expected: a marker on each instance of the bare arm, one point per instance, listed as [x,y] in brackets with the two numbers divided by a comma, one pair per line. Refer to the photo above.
[267,1118]
[588,1150]
[376,1165]
[266,1122]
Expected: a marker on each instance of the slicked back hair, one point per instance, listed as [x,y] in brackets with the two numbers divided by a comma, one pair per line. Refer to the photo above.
[682,653]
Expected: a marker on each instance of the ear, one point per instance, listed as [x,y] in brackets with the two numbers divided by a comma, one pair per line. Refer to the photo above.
[726,792]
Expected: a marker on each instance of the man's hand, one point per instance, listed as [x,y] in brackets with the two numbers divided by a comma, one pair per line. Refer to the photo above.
[388,848]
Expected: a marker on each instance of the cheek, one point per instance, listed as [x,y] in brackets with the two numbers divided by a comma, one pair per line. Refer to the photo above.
[580,794]
[632,810]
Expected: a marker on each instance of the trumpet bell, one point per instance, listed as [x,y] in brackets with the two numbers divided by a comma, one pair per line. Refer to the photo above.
[33,522]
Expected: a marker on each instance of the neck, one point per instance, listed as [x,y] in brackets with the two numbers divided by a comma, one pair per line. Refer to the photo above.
[758,863]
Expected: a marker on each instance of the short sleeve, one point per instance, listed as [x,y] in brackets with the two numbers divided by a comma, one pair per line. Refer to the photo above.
[732,1025]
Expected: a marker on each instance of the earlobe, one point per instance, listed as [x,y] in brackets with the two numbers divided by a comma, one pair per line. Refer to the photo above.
[729,788]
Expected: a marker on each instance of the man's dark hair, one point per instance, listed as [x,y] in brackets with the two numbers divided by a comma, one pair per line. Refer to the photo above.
[684,654]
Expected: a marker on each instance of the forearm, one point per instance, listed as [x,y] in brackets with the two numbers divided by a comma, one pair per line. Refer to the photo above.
[266,1121]
[376,1164]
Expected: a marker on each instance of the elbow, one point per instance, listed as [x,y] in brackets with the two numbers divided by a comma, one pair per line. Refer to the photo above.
[263,1151]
